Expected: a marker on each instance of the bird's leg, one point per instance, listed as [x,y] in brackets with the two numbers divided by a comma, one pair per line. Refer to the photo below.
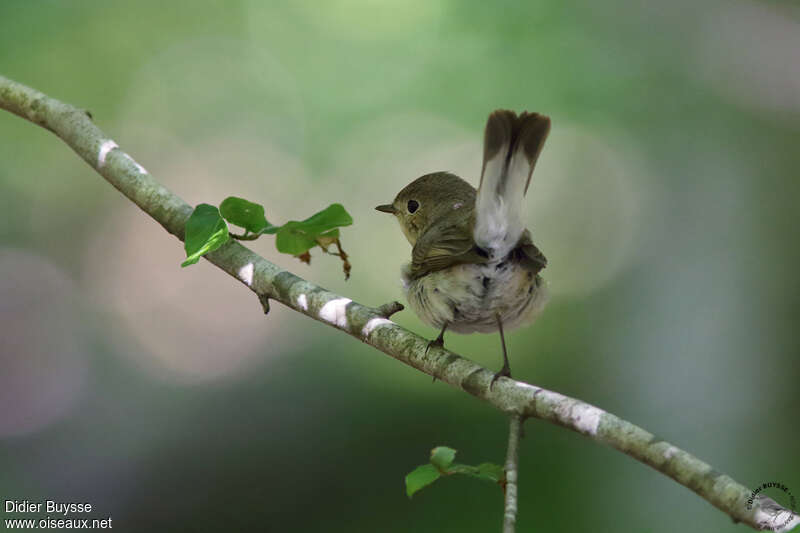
[438,341]
[506,370]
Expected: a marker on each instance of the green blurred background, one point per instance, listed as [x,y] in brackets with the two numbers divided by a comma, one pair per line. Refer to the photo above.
[666,201]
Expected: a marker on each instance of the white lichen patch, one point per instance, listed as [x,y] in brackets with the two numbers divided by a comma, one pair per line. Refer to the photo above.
[528,387]
[553,398]
[246,274]
[457,205]
[670,452]
[139,167]
[334,312]
[105,149]
[302,302]
[583,417]
[587,418]
[373,324]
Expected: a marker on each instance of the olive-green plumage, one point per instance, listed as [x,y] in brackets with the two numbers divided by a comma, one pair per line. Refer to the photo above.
[473,264]
[440,228]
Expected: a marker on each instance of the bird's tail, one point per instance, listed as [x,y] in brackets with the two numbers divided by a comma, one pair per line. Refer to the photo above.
[511,147]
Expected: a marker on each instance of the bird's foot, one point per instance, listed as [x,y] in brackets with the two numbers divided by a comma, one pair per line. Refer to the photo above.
[504,372]
[438,342]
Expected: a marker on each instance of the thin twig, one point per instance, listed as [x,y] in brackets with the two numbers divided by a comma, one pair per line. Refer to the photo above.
[370,326]
[512,474]
[346,266]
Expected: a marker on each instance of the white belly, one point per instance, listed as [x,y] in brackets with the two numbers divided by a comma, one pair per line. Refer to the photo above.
[469,297]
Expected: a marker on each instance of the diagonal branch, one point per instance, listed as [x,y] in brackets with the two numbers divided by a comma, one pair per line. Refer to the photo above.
[372,326]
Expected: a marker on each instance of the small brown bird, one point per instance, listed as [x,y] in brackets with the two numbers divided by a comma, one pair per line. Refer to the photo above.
[473,264]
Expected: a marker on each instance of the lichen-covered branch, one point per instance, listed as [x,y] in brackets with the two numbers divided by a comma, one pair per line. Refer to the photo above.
[512,474]
[372,325]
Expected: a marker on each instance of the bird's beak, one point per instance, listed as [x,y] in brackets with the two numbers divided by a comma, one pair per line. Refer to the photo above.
[387,208]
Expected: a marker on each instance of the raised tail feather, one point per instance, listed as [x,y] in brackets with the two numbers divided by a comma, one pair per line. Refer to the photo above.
[511,147]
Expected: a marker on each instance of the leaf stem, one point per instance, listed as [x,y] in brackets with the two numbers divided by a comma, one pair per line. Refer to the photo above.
[245,236]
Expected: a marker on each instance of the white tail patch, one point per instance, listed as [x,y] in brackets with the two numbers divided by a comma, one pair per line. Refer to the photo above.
[498,223]
[511,146]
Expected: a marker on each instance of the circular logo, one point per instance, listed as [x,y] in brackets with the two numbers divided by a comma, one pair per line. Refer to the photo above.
[777,504]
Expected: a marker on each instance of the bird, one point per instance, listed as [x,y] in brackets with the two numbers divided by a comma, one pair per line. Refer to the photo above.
[474,266]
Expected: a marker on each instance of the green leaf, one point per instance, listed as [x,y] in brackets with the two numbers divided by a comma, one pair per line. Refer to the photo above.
[296,237]
[421,477]
[327,238]
[442,465]
[292,239]
[205,232]
[490,472]
[243,213]
[333,216]
[442,457]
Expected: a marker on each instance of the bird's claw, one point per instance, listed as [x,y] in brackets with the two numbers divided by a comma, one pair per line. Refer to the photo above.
[504,372]
[439,343]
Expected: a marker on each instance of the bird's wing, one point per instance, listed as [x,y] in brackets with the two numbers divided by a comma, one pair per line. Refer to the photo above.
[529,255]
[443,245]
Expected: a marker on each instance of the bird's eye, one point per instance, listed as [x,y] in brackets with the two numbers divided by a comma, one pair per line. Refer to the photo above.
[413,205]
